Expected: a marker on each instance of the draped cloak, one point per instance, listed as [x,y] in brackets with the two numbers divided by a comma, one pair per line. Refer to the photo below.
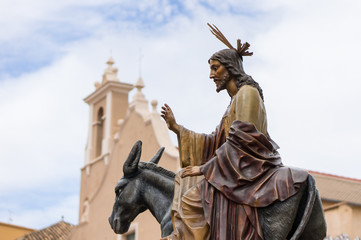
[242,171]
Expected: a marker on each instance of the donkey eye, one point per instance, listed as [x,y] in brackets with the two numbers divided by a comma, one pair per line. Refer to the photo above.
[118,191]
[120,186]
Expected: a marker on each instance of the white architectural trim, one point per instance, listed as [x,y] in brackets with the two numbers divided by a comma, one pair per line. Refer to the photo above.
[90,135]
[108,122]
[108,86]
[100,158]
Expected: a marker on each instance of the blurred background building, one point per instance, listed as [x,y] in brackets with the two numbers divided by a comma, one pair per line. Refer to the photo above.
[11,232]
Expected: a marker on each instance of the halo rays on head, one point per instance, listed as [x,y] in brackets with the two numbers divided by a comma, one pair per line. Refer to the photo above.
[242,49]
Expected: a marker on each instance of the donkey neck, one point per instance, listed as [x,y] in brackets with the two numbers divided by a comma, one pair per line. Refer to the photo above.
[157,193]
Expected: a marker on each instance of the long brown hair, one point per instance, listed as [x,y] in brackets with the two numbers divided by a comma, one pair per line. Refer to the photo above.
[232,61]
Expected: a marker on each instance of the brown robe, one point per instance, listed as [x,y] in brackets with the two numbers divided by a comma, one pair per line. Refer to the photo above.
[242,170]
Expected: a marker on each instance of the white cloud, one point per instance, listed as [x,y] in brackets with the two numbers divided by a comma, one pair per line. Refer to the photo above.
[41,128]
[39,218]
[312,65]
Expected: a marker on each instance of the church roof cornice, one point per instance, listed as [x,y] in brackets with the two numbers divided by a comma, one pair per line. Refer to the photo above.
[109,86]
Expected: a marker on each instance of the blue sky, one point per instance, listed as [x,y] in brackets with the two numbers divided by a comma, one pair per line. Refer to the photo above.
[306,57]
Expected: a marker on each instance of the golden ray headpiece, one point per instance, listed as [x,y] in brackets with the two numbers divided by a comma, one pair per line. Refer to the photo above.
[241,48]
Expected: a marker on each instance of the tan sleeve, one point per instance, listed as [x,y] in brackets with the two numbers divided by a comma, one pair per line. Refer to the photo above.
[249,107]
[191,147]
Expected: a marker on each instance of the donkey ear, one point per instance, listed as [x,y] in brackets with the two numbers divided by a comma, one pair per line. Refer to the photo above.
[131,164]
[157,156]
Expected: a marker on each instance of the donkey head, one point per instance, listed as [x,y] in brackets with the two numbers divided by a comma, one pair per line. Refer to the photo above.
[128,201]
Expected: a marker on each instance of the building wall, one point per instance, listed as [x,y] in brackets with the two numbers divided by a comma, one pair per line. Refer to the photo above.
[119,99]
[343,218]
[356,222]
[11,232]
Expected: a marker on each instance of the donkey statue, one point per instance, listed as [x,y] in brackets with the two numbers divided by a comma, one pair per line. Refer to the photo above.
[145,185]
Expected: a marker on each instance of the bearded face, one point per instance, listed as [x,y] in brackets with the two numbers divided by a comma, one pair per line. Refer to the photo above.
[219,74]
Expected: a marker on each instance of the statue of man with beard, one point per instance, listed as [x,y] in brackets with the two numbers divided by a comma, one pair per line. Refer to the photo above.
[231,172]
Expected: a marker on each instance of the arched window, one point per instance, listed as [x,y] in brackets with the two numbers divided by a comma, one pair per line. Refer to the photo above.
[99,132]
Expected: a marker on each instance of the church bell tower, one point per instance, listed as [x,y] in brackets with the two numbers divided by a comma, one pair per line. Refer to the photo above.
[107,104]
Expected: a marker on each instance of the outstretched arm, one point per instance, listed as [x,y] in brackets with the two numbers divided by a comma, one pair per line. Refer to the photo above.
[168,116]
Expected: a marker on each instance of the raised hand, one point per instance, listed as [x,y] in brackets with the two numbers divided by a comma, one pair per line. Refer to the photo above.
[169,118]
[191,171]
